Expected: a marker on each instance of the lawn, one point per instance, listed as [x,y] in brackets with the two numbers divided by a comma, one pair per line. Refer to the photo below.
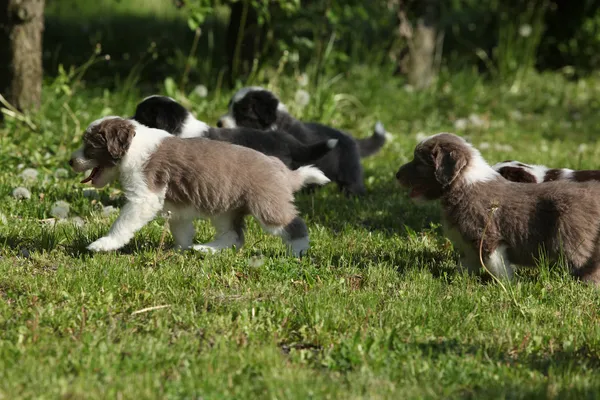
[377,309]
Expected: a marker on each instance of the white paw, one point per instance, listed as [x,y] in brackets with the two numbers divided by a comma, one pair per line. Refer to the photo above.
[105,243]
[205,248]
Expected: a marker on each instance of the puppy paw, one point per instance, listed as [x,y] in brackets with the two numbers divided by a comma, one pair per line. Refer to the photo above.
[105,243]
[205,248]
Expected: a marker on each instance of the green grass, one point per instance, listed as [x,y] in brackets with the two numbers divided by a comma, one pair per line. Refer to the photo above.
[378,310]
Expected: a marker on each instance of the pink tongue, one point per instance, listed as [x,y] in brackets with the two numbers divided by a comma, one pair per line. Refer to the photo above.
[414,193]
[92,174]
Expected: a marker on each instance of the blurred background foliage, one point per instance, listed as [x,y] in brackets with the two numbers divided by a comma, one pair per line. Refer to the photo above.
[220,43]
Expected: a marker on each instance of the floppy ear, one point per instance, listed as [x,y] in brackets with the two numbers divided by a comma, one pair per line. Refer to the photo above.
[516,174]
[264,105]
[118,134]
[447,164]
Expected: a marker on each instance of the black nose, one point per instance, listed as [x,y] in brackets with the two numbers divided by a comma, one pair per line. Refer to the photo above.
[71,162]
[219,124]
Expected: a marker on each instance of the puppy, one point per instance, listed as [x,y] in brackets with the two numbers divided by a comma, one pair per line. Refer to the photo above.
[519,220]
[164,113]
[518,172]
[254,107]
[192,177]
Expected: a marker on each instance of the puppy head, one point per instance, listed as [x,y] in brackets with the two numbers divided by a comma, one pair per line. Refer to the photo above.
[105,143]
[438,163]
[515,171]
[161,112]
[251,107]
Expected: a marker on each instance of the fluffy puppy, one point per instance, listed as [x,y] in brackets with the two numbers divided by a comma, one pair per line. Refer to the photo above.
[164,113]
[254,107]
[519,220]
[191,178]
[516,171]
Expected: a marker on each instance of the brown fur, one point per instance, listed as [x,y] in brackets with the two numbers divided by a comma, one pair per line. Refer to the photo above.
[225,177]
[560,218]
[108,141]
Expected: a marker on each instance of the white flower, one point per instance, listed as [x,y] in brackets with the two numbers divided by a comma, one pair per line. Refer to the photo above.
[503,147]
[303,80]
[61,173]
[294,57]
[21,193]
[108,210]
[20,166]
[3,219]
[544,147]
[516,115]
[420,136]
[408,88]
[302,98]
[525,30]
[582,148]
[476,120]
[201,91]
[484,145]
[29,174]
[461,124]
[76,221]
[60,209]
[256,261]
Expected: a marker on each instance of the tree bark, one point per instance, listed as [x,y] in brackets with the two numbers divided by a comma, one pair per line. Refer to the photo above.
[418,60]
[21,29]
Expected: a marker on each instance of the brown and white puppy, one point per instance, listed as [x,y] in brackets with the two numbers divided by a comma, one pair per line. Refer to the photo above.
[519,219]
[516,171]
[192,177]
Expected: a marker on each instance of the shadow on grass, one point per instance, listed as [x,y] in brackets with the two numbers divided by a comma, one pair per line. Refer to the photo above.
[385,209]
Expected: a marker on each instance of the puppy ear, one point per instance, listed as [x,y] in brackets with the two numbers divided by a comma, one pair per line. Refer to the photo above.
[516,174]
[118,134]
[447,164]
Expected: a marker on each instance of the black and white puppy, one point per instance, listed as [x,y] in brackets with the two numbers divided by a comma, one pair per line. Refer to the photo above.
[254,107]
[517,171]
[164,113]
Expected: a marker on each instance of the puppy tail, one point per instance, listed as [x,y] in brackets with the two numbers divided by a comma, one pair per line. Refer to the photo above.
[308,175]
[371,145]
[306,153]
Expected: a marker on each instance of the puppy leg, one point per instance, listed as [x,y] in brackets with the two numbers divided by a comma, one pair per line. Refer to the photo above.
[498,264]
[590,273]
[294,235]
[230,232]
[183,232]
[134,215]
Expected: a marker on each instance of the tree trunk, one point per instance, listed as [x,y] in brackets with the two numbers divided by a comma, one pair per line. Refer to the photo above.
[21,28]
[418,60]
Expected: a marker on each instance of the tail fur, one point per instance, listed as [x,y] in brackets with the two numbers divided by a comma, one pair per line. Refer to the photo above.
[371,145]
[308,175]
[306,153]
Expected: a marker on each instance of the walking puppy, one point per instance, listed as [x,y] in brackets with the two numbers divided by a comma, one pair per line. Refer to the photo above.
[191,178]
[164,113]
[254,107]
[519,220]
[516,171]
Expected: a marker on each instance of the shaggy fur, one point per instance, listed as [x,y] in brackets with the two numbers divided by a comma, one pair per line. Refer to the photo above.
[190,178]
[254,107]
[165,113]
[516,171]
[520,220]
